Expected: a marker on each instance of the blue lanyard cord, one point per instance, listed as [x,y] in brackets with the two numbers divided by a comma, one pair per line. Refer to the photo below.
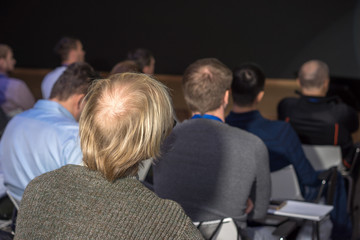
[207,117]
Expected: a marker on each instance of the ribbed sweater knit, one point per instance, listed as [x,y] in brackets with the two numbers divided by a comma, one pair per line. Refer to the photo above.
[74,202]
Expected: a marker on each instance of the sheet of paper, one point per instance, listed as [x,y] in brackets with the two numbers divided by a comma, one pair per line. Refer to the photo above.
[304,210]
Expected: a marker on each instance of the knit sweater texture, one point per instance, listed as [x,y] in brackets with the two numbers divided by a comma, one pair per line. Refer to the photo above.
[74,202]
[211,169]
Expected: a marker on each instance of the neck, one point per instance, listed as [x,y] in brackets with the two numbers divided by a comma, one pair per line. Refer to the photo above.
[243,109]
[67,104]
[67,62]
[220,113]
[313,92]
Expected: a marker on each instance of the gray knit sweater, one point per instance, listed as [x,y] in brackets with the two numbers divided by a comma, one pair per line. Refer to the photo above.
[211,169]
[76,203]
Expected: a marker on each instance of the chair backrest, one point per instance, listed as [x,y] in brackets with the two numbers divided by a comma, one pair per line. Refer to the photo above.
[144,169]
[285,185]
[13,200]
[224,229]
[323,157]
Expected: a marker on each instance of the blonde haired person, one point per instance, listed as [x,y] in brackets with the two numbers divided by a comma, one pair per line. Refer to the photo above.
[124,121]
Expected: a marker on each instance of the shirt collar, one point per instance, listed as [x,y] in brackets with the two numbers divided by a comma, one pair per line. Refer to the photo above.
[53,106]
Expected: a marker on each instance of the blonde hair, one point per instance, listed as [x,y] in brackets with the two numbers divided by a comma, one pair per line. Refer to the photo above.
[124,121]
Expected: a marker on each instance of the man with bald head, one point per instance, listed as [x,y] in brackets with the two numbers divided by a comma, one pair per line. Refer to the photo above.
[319,119]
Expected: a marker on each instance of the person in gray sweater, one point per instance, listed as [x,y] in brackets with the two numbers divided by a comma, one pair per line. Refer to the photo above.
[212,169]
[125,120]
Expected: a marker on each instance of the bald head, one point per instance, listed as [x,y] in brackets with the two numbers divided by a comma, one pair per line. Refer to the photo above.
[313,74]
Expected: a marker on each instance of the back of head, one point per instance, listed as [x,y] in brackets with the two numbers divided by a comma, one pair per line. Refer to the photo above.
[64,46]
[313,74]
[124,121]
[4,50]
[248,82]
[205,83]
[126,66]
[141,56]
[74,80]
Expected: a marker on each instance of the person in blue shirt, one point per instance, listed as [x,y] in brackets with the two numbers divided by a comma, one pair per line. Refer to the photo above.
[283,144]
[45,137]
[70,51]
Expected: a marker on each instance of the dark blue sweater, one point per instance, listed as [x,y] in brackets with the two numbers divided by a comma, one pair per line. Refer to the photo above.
[282,142]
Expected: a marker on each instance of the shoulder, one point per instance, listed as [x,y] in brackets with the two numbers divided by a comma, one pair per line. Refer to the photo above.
[17,83]
[287,102]
[57,71]
[46,181]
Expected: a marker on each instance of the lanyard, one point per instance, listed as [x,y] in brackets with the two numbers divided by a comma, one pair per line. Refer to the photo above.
[207,117]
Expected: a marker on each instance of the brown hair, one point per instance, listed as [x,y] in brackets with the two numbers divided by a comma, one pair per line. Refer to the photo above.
[205,83]
[4,50]
[124,122]
[141,56]
[75,79]
[64,46]
[126,66]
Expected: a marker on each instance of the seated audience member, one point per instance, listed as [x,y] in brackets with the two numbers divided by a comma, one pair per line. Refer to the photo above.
[318,119]
[144,58]
[126,66]
[281,140]
[213,170]
[279,137]
[15,96]
[123,123]
[45,137]
[70,51]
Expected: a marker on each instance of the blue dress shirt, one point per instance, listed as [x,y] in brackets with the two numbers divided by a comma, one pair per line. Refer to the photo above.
[37,141]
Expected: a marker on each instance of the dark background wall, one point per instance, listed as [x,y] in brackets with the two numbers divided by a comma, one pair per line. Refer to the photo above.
[278,35]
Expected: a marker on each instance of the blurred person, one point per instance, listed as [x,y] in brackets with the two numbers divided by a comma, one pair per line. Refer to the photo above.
[124,121]
[318,119]
[70,50]
[126,66]
[15,96]
[144,58]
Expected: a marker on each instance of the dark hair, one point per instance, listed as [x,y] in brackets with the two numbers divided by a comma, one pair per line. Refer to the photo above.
[205,83]
[248,81]
[75,80]
[141,56]
[64,46]
[126,66]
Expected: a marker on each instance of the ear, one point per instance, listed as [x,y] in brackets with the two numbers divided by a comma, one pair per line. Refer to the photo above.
[326,84]
[78,105]
[226,98]
[259,97]
[79,101]
[146,69]
[2,64]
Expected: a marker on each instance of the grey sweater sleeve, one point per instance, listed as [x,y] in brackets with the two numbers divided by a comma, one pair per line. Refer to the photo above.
[260,193]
